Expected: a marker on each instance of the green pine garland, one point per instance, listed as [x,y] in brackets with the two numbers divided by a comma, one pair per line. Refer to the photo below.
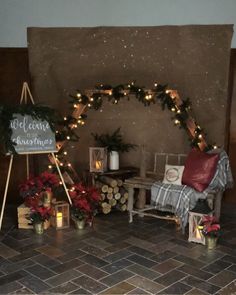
[159,94]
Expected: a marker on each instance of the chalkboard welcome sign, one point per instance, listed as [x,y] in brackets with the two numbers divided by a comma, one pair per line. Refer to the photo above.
[32,136]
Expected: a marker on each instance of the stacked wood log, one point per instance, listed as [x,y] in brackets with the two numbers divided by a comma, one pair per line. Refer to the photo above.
[113,193]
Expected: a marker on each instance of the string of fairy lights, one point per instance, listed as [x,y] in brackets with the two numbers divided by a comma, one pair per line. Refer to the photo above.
[93,99]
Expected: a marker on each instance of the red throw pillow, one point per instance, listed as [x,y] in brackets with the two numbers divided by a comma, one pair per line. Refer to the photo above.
[199,170]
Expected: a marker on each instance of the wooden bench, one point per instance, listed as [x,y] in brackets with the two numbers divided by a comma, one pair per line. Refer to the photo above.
[146,179]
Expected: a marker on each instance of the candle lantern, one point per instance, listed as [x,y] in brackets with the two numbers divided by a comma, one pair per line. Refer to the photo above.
[97,159]
[61,215]
[195,234]
[195,220]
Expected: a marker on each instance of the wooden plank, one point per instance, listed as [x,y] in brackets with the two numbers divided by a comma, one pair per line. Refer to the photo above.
[22,209]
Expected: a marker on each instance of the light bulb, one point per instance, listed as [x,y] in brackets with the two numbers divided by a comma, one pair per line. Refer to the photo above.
[155,84]
[215,147]
[68,137]
[65,153]
[179,111]
[173,109]
[200,136]
[75,105]
[148,97]
[177,122]
[69,164]
[65,118]
[50,166]
[78,95]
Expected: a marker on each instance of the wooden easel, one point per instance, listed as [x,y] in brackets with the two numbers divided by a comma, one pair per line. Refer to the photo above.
[24,97]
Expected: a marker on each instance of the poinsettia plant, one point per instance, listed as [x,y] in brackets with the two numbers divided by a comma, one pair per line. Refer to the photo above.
[210,226]
[85,201]
[33,186]
[49,180]
[39,214]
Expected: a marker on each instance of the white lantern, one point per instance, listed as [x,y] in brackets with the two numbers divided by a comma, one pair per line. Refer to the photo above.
[97,159]
[195,234]
[61,215]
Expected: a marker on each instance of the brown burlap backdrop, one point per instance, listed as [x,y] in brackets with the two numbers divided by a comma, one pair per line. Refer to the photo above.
[192,59]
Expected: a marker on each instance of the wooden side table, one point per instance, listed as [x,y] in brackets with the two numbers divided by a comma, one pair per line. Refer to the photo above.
[123,173]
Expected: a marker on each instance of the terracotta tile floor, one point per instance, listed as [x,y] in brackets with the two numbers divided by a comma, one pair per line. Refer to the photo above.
[115,257]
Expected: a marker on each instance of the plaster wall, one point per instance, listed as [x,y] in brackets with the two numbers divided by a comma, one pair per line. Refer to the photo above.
[16,16]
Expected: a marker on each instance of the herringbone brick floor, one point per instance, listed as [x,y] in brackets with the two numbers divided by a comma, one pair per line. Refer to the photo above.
[115,257]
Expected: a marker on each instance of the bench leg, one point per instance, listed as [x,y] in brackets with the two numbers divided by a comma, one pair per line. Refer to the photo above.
[141,202]
[217,205]
[130,203]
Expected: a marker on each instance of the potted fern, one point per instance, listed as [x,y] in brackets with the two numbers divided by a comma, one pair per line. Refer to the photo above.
[115,144]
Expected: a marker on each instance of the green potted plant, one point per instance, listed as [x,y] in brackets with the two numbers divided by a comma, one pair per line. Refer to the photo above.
[115,144]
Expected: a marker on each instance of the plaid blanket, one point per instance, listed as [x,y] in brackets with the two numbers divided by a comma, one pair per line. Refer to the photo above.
[180,199]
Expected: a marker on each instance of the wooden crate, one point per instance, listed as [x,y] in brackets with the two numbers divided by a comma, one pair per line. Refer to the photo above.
[23,222]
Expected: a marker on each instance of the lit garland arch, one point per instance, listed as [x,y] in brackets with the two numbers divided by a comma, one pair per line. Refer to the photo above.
[168,98]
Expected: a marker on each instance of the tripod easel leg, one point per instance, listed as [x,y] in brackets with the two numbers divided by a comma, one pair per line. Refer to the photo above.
[6,190]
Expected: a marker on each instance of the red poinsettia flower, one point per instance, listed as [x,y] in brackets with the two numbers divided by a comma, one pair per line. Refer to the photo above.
[73,194]
[32,201]
[49,180]
[39,214]
[31,187]
[83,204]
[85,201]
[210,226]
[95,196]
